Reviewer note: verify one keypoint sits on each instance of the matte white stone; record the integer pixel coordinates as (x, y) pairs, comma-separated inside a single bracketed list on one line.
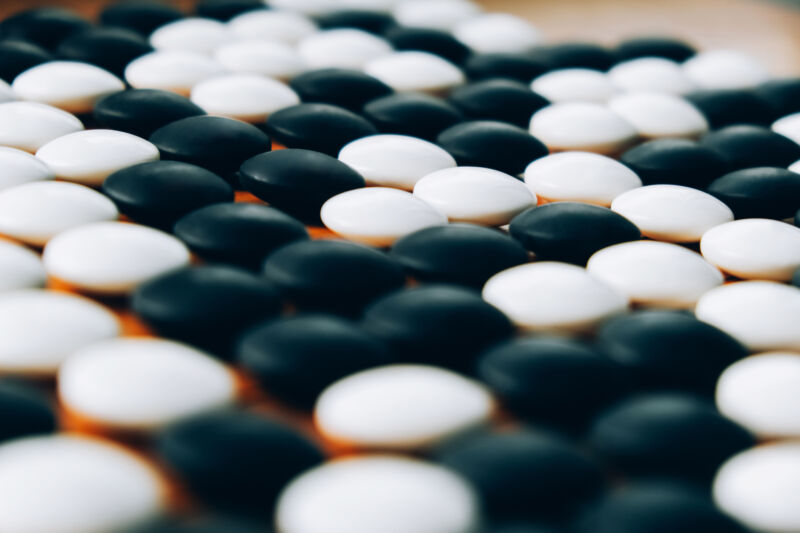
[(375, 493), (795, 167), (394, 160), (273, 25), (247, 97), (659, 115), (6, 93), (725, 69), (30, 125), (192, 34), (434, 14), (174, 71), (112, 257), (251, 56), (762, 315), (41, 328), (20, 268), (580, 177), (378, 215), (788, 126), (553, 297), (582, 126), (342, 48), (308, 7), (33, 213), (140, 383), (651, 74), (575, 85), (415, 71), (497, 32), (382, 6), (754, 248), (475, 194), (89, 156), (69, 85), (672, 212), (75, 484), (18, 168), (401, 407)]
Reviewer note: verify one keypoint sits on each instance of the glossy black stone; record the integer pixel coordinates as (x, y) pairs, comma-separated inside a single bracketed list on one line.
[(370, 21), (207, 306), (217, 144), (44, 26), (669, 350), (197, 524), (666, 47), (236, 461), (525, 473), (729, 107), (514, 66), (436, 42), (298, 181), (108, 48), (492, 144), (335, 276), (675, 161), (241, 234), (571, 231), (752, 146), (464, 254), (574, 55), (346, 88), (143, 111), (417, 325), (521, 527), (672, 435), (503, 100), (24, 411), (782, 94), (225, 10), (796, 276), (140, 16), (418, 115), (18, 56), (295, 358), (320, 127), (761, 192)]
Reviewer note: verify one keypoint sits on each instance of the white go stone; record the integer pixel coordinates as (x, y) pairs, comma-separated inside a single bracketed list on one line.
[(174, 71), (140, 383), (75, 484), (112, 257), (762, 315), (672, 212), (20, 268), (760, 487), (575, 85), (553, 297), (401, 407), (274, 59), (89, 156), (725, 69), (788, 126), (30, 125), (18, 168), (378, 215), (69, 85), (415, 71), (41, 328), (273, 25), (308, 7), (394, 160), (659, 115), (474, 194), (435, 14), (374, 493), (497, 32), (651, 74), (342, 48), (382, 6), (6, 93), (795, 167), (754, 248), (580, 177), (33, 213), (582, 126), (192, 34), (246, 97), (762, 394)]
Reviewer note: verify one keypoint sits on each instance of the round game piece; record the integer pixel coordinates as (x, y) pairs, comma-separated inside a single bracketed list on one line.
[(415, 71), (759, 314), (795, 167), (254, 56), (521, 527), (160, 192), (503, 100), (247, 97), (574, 55), (236, 461), (197, 524), (436, 14), (417, 115), (6, 94), (656, 435), (657, 115), (75, 157), (649, 73), (376, 22), (725, 69), (224, 10), (463, 254), (672, 213), (656, 274), (45, 26), (171, 70), (279, 25), (752, 146), (18, 56), (218, 144), (659, 47), (306, 7), (20, 268), (142, 111), (437, 42), (329, 275), (675, 161), (35, 212), (761, 192), (78, 472), (319, 127), (24, 410), (783, 94), (112, 257), (342, 48), (553, 297), (141, 17), (657, 348), (579, 177), (142, 384), (374, 493), (575, 85), (497, 32), (401, 407), (350, 89), (582, 126), (731, 107), (108, 48), (191, 34), (788, 126), (20, 168), (513, 66), (570, 231)]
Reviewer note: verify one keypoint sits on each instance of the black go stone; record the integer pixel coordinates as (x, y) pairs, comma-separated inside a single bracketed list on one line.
[(197, 524), (730, 107), (418, 115), (464, 254), (225, 10), (761, 192), (241, 234), (143, 111), (346, 88), (436, 42), (666, 47), (140, 16), (108, 48), (571, 231), (752, 146), (295, 358), (574, 55), (503, 100), (513, 66), (796, 276), (333, 276), (369, 21), (24, 411), (298, 181), (18, 56), (782, 94), (676, 162), (521, 527), (46, 26)]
